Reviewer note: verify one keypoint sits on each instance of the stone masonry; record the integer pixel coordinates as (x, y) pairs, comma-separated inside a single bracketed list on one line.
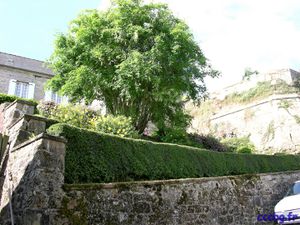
[(31, 175), (272, 124), (236, 200)]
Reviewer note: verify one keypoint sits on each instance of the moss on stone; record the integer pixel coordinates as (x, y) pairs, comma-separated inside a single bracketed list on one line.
[(74, 218)]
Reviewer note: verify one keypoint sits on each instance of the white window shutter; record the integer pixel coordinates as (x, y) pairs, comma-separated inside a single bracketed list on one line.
[(31, 90), (48, 95), (12, 87), (65, 99)]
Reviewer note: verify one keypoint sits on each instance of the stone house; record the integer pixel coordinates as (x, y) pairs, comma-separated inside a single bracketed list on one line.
[(25, 78)]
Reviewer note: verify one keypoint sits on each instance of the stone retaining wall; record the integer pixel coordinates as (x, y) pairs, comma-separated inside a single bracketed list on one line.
[(272, 124), (215, 201)]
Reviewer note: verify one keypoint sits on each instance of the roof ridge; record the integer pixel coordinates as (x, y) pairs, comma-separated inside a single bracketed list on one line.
[(5, 53)]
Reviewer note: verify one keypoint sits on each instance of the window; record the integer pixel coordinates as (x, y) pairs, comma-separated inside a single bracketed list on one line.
[(294, 190), (54, 97), (21, 89)]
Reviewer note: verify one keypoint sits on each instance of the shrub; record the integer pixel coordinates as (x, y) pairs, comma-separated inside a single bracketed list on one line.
[(208, 142), (76, 115), (174, 135), (11, 98), (46, 108), (239, 145), (181, 137), (81, 116), (98, 157), (118, 125)]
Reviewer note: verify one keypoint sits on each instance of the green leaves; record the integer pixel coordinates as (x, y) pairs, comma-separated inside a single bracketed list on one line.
[(96, 157), (139, 59)]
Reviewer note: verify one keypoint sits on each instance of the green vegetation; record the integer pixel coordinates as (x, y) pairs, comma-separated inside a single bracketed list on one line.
[(139, 59), (249, 73), (260, 91), (239, 145), (285, 104), (297, 118), (75, 115), (11, 98), (96, 157), (82, 117), (270, 132), (117, 125)]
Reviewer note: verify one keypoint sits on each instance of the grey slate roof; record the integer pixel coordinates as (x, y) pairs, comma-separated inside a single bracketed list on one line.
[(23, 63)]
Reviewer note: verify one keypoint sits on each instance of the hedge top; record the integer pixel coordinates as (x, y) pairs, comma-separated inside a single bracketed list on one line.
[(12, 98), (96, 158)]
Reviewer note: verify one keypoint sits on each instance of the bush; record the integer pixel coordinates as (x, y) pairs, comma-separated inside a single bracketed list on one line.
[(181, 137), (118, 125), (174, 135), (239, 145), (11, 98), (81, 116), (75, 115), (98, 157), (46, 108), (208, 142)]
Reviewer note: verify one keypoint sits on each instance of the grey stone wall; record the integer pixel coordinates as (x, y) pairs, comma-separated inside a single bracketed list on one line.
[(34, 182), (272, 124), (31, 171), (236, 200)]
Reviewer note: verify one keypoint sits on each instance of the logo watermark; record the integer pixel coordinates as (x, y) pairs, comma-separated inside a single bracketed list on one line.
[(281, 218)]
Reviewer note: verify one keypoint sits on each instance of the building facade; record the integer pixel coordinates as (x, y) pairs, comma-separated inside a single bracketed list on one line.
[(25, 78)]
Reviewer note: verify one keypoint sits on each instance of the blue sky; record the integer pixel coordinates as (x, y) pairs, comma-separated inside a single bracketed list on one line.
[(28, 27), (234, 34)]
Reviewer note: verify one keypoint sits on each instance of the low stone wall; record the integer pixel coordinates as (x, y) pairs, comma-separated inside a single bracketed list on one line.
[(216, 201)]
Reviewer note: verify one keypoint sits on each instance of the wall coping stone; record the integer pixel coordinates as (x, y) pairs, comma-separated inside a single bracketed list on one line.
[(98, 186), (261, 102), (35, 117), (20, 101), (38, 137)]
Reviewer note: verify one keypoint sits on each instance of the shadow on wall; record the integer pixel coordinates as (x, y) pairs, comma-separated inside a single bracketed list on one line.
[(37, 197)]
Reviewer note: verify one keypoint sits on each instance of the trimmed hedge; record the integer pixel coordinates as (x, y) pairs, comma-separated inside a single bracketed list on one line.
[(11, 98), (97, 157)]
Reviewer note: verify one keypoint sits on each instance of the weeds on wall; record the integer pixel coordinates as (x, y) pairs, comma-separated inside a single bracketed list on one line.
[(262, 90), (297, 118), (270, 133)]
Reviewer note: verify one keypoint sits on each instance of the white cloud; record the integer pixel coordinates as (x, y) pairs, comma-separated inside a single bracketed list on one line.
[(235, 34)]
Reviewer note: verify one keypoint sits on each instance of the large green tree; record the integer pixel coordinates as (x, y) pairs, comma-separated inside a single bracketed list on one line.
[(138, 58)]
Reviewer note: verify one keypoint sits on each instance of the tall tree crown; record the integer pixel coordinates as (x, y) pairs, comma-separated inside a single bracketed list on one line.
[(138, 58)]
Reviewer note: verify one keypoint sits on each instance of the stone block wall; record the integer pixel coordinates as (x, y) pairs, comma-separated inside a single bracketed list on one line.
[(31, 171), (33, 185), (236, 200)]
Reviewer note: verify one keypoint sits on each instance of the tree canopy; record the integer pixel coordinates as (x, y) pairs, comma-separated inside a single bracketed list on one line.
[(138, 58)]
